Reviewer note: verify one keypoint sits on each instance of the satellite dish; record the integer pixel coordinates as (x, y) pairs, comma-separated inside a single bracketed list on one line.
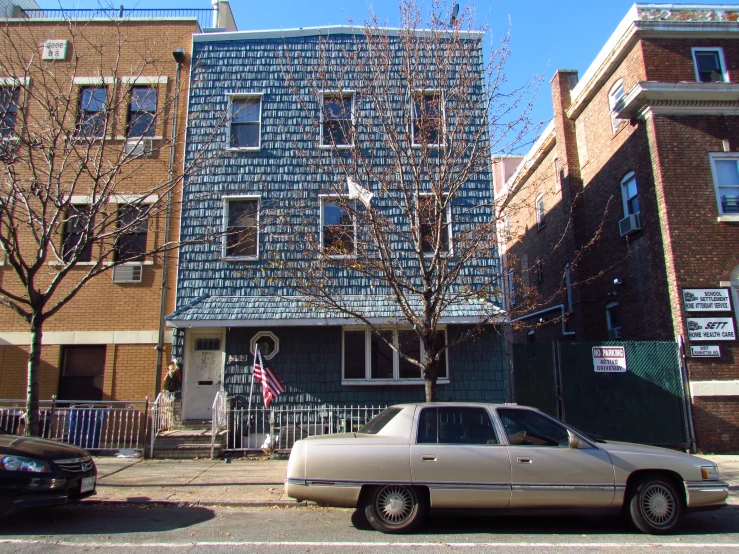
[(455, 13)]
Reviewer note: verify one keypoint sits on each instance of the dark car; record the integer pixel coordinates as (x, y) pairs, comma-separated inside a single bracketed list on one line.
[(40, 472)]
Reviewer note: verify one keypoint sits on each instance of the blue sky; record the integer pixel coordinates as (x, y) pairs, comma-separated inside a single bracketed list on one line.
[(545, 35)]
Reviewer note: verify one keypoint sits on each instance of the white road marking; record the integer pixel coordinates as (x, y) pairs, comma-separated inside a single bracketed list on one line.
[(460, 545)]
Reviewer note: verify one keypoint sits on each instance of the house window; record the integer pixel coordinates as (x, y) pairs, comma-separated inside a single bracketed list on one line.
[(92, 111), (630, 194), (241, 228), (734, 280), (506, 228), (142, 112), (557, 176), (81, 374), (369, 358), (132, 230), (435, 222), (246, 122), (709, 65), (268, 343), (428, 118), (8, 110), (613, 321), (726, 182), (337, 229), (76, 234), (539, 271), (337, 120), (614, 96), (202, 345), (540, 211)]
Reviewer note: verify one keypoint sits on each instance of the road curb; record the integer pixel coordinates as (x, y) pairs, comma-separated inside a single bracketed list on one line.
[(241, 504)]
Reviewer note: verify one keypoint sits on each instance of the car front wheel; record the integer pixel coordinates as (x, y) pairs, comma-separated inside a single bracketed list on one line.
[(395, 508), (655, 506)]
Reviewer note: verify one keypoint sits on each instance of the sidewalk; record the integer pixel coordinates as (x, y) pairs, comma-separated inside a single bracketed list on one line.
[(249, 482)]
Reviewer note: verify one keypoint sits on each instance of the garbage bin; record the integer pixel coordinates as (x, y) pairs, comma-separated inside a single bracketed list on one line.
[(86, 426)]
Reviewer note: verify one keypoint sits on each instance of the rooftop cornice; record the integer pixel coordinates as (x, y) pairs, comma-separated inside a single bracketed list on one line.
[(324, 31), (694, 98)]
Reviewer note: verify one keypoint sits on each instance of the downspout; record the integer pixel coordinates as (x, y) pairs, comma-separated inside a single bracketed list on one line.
[(179, 57), (561, 307)]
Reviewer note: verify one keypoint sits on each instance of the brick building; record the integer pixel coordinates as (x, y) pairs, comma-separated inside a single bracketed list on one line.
[(629, 197), (118, 70)]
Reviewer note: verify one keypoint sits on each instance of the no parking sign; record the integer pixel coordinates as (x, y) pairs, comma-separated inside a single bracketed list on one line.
[(609, 359)]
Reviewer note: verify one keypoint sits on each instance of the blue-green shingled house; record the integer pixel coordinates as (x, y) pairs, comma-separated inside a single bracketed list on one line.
[(251, 130)]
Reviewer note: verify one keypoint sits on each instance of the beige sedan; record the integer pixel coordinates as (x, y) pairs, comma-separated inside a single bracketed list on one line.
[(412, 457)]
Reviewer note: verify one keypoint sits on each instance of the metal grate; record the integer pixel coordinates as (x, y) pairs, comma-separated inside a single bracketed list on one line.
[(75, 465)]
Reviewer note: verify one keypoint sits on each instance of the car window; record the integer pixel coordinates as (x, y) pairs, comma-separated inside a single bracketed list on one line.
[(375, 425), (455, 426), (529, 428)]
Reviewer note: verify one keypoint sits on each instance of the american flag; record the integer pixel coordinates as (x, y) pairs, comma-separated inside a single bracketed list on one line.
[(271, 384)]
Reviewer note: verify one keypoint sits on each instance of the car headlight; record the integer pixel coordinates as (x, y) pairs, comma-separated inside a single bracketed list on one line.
[(709, 473), (18, 463)]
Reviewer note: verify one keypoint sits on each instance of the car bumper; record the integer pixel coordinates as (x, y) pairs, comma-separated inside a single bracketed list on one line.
[(706, 494), (324, 492), (35, 492)]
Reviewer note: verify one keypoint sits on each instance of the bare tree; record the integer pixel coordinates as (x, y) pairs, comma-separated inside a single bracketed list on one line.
[(408, 120), (87, 161)]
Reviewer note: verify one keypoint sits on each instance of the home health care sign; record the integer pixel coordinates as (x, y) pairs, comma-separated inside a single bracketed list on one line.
[(609, 359)]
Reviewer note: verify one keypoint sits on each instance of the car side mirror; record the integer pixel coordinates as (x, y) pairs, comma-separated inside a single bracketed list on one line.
[(575, 441)]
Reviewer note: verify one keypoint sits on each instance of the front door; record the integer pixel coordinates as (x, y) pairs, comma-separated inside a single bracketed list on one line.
[(458, 456), (203, 370), (546, 472)]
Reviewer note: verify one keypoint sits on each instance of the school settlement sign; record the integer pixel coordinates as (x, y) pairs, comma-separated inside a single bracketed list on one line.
[(609, 359)]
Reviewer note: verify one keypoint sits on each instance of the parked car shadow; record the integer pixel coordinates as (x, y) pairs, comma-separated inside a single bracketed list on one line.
[(439, 523), (106, 519)]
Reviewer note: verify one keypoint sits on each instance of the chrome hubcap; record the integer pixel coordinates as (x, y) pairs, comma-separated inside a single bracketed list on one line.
[(395, 504), (658, 504)]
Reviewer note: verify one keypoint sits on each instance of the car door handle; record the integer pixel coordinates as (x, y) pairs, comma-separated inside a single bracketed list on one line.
[(523, 460), (428, 458)]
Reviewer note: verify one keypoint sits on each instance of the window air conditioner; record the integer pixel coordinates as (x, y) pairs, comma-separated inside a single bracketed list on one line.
[(630, 224), (128, 273), (139, 146), (615, 333)]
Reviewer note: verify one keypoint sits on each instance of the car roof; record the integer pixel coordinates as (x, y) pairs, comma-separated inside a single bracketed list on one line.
[(475, 404)]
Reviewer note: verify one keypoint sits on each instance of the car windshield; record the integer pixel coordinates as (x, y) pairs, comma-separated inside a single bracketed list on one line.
[(376, 424)]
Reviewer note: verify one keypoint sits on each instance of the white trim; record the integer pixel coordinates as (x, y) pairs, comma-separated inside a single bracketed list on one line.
[(239, 96), (145, 262), (15, 81), (624, 191), (387, 382), (721, 60), (259, 335), (336, 94), (140, 80), (734, 218), (224, 238), (94, 81), (540, 223), (613, 99), (86, 337), (78, 199), (322, 198), (327, 31), (311, 322), (713, 96), (714, 388), (136, 139)]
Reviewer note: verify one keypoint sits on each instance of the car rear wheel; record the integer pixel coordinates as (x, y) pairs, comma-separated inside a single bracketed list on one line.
[(395, 508), (655, 506)]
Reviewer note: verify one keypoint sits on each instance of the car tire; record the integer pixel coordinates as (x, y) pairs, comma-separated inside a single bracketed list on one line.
[(655, 506), (395, 508)]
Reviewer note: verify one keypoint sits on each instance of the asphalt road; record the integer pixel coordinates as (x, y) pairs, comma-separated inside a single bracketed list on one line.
[(167, 528)]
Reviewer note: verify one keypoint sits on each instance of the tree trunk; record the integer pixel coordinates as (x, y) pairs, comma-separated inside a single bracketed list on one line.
[(34, 361), (429, 378)]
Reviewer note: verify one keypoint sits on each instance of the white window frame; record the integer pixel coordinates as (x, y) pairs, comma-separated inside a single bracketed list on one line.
[(722, 61), (224, 238), (540, 212), (506, 228), (327, 198), (21, 83), (609, 323), (613, 99), (713, 156), (396, 380), (557, 180), (160, 82), (336, 94), (261, 334), (511, 289), (448, 213), (625, 192), (109, 84), (442, 130), (244, 96)]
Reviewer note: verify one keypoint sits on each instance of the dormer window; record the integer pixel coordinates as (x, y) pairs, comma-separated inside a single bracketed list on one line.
[(709, 65)]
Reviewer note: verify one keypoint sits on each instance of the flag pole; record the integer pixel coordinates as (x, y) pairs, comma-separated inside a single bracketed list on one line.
[(251, 387)]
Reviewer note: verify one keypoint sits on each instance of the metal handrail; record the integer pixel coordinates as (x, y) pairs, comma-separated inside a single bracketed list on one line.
[(218, 419), (162, 415), (202, 15)]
